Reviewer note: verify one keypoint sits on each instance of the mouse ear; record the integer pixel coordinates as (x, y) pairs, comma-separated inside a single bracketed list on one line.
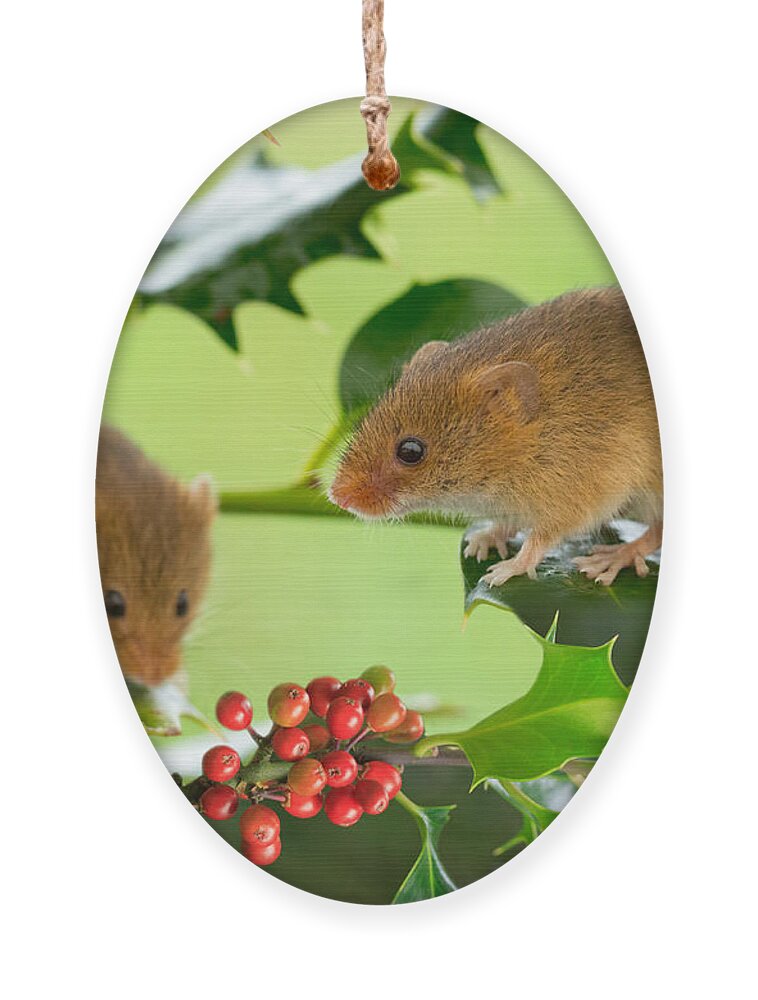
[(424, 353), (513, 376), (202, 490)]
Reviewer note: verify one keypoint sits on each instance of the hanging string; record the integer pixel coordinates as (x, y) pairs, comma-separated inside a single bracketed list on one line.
[(379, 167)]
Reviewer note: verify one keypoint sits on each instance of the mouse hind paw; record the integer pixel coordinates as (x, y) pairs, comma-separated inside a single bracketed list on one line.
[(605, 562), (604, 567)]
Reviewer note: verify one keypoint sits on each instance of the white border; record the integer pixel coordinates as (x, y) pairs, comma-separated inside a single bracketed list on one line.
[(114, 114)]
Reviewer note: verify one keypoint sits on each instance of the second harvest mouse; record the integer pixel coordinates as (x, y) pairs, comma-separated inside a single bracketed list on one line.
[(543, 423), (154, 548)]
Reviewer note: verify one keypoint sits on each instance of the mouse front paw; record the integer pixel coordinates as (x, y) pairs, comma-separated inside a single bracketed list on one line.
[(525, 561), (480, 542), (500, 572)]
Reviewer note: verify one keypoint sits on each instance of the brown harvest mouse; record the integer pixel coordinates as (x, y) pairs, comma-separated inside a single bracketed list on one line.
[(543, 423), (154, 548)]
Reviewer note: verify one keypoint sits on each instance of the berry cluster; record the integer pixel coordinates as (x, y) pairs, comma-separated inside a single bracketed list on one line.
[(321, 731)]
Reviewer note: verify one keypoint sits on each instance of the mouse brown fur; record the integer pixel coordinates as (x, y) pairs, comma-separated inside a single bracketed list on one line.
[(543, 423), (154, 549)]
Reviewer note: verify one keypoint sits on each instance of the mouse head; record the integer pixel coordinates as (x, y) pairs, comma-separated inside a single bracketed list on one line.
[(154, 547), (435, 439)]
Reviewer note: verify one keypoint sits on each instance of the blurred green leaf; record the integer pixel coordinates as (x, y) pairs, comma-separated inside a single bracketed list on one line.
[(441, 311), (244, 237), (427, 878), (577, 771), (590, 614), (569, 712), (456, 133), (538, 802), (535, 817), (553, 792)]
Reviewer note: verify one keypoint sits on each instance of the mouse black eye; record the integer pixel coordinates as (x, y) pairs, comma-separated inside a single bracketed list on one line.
[(410, 451), (182, 604), (115, 605)]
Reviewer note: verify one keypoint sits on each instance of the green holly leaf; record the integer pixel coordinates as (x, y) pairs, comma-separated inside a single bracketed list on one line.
[(569, 712), (249, 229), (427, 878), (590, 614), (285, 218), (162, 708), (440, 311)]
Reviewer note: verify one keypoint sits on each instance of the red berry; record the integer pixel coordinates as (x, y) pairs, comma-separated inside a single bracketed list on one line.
[(360, 689), (290, 744), (259, 825), (341, 768), (342, 807), (221, 763), (386, 713), (409, 730), (318, 736), (302, 806), (219, 802), (372, 796), (321, 691), (262, 854), (307, 777), (288, 705), (344, 718), (387, 776), (234, 711), (381, 679)]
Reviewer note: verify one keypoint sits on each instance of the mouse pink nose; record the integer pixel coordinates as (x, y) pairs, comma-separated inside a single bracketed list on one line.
[(366, 494)]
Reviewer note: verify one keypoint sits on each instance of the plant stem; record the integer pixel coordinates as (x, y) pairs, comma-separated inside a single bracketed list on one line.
[(297, 499), (407, 758), (358, 739), (301, 498), (402, 799), (262, 769), (520, 838)]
